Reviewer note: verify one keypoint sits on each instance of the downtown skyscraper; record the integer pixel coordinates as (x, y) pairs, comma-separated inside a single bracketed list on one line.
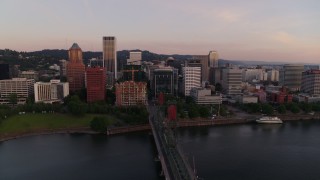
[(110, 56), (75, 68)]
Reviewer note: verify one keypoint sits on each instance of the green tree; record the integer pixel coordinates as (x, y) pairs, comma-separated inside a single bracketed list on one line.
[(204, 112), (306, 107), (98, 124), (189, 100), (193, 111), (282, 109), (76, 107), (111, 96), (13, 98), (267, 109), (252, 107), (293, 107), (223, 110)]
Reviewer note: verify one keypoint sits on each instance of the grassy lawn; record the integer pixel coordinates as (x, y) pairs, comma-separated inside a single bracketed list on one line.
[(32, 122)]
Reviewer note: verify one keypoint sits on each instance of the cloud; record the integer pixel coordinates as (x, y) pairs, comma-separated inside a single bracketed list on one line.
[(208, 12), (229, 16), (284, 37)]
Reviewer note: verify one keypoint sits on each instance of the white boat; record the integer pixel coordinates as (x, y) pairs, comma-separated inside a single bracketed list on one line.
[(269, 120)]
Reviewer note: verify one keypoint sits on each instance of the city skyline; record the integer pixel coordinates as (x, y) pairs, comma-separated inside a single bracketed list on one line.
[(246, 30)]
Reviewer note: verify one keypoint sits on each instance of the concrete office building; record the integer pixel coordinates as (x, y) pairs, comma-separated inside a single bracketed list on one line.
[(231, 81), (311, 82), (22, 87), (51, 92), (273, 75), (29, 75), (246, 99), (75, 68), (63, 67), (135, 58), (290, 76), (203, 96), (110, 56), (204, 61), (191, 77), (248, 75)]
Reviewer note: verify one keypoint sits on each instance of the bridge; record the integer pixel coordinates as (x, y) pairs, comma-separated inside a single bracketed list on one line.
[(174, 164)]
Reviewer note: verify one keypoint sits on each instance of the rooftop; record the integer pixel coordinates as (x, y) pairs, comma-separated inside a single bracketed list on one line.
[(75, 46)]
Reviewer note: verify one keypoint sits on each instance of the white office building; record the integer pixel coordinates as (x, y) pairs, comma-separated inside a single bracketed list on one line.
[(135, 58), (203, 96), (21, 87), (50, 92), (191, 78)]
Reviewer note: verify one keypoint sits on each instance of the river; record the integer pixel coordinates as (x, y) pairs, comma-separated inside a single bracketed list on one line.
[(248, 152)]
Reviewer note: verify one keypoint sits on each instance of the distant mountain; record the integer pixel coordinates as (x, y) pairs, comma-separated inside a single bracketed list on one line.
[(122, 56), (222, 62)]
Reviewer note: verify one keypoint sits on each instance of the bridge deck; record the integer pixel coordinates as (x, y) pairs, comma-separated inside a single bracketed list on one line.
[(174, 164)]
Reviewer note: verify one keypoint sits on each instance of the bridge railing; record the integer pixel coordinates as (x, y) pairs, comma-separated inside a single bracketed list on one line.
[(178, 164)]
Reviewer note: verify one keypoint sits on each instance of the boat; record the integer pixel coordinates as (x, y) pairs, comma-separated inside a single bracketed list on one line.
[(269, 120)]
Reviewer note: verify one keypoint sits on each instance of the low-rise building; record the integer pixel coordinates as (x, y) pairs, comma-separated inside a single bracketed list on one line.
[(246, 99), (279, 96), (29, 75), (203, 96), (50, 92), (306, 98)]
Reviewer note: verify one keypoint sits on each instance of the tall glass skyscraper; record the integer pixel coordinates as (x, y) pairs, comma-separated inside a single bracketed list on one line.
[(110, 55), (213, 59)]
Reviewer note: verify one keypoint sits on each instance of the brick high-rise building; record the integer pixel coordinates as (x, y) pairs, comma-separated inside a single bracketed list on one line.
[(75, 68), (130, 93), (96, 84)]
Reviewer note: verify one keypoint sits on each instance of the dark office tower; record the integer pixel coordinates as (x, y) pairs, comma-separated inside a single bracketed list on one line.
[(75, 68), (110, 55), (204, 59), (4, 71), (96, 84)]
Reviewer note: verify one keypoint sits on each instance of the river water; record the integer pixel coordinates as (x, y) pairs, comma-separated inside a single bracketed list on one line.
[(248, 152)]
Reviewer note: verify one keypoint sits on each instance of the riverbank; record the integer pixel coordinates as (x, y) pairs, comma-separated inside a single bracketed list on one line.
[(36, 130), (38, 124), (86, 130)]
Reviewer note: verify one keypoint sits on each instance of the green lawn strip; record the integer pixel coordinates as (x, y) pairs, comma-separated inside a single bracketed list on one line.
[(33, 122)]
